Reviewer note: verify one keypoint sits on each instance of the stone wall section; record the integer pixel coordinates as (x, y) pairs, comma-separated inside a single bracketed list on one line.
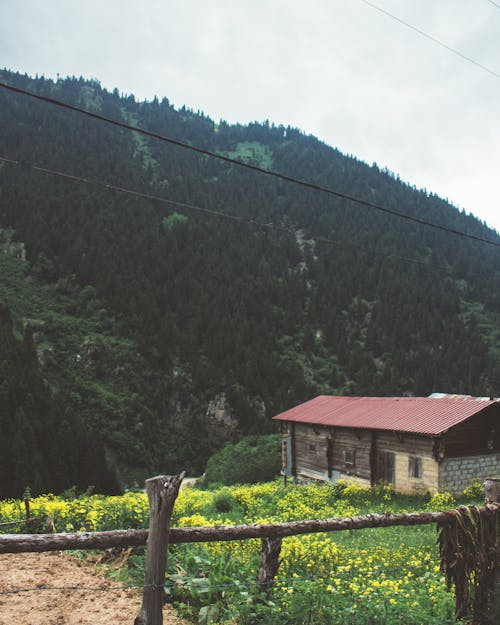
[(455, 474)]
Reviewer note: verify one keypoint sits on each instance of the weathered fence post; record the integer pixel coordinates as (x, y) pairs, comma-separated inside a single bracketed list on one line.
[(162, 493), (26, 498), (269, 563), (492, 495)]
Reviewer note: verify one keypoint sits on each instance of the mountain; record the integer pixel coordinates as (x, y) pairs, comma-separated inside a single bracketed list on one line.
[(150, 320)]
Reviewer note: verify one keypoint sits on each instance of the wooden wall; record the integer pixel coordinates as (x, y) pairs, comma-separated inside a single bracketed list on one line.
[(401, 442), (478, 435), (311, 457), (311, 446)]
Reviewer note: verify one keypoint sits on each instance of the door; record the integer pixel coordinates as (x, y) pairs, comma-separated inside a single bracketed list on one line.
[(385, 467), (329, 457), (286, 456)]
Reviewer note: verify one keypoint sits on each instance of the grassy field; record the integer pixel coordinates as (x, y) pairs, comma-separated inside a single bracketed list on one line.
[(364, 577)]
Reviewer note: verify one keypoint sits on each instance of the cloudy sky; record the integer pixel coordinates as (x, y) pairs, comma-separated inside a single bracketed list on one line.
[(339, 69)]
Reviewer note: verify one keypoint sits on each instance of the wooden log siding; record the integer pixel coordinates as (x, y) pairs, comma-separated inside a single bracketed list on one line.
[(471, 437), (357, 440), (311, 451), (406, 443), (23, 543), (311, 444)]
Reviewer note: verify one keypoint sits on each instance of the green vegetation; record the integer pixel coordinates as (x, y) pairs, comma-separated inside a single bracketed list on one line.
[(173, 220), (488, 324), (364, 577), (254, 153), (42, 444), (95, 371), (142, 315), (253, 459)]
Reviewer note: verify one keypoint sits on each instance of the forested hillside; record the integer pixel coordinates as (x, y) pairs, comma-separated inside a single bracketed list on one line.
[(149, 319), (42, 445)]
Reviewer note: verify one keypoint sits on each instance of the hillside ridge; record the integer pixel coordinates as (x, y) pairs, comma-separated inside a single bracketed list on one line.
[(150, 313)]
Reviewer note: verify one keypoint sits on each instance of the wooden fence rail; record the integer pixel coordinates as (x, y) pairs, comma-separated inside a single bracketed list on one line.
[(20, 543), (21, 521)]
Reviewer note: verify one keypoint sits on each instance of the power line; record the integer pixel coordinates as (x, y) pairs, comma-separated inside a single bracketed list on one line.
[(434, 39), (494, 4), (147, 196), (210, 212), (256, 168)]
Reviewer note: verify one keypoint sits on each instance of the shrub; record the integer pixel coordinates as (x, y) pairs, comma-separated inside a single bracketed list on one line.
[(224, 500), (440, 501), (253, 459), (383, 490), (475, 490), (338, 488), (356, 493)]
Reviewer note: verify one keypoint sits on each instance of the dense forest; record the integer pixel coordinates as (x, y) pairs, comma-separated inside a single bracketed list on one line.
[(41, 445), (149, 321)]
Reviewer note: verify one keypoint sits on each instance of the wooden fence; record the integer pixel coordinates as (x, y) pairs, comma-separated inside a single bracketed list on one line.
[(162, 492)]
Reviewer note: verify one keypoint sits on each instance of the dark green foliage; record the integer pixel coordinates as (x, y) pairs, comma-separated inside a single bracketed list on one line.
[(224, 501), (41, 446), (253, 459), (142, 314)]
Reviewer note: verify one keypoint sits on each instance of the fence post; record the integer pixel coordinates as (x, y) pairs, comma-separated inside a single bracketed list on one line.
[(26, 498), (269, 563), (162, 493), (492, 495)]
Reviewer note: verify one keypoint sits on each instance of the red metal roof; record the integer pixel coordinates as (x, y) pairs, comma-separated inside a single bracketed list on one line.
[(420, 415)]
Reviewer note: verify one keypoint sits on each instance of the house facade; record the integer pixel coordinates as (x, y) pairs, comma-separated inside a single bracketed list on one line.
[(417, 444)]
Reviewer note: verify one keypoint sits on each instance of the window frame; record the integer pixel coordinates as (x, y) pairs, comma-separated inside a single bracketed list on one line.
[(350, 457), (415, 467)]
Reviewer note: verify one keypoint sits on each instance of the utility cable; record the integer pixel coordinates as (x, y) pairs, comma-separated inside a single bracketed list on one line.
[(210, 212), (256, 168), (494, 4), (434, 39)]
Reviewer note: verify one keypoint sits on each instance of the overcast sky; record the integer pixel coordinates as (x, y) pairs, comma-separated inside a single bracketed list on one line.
[(338, 69)]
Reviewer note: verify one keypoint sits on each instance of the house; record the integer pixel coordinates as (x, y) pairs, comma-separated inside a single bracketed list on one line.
[(417, 444)]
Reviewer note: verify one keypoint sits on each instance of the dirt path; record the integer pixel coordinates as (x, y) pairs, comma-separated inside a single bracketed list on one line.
[(106, 606)]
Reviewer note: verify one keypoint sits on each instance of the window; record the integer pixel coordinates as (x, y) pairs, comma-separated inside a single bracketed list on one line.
[(415, 466), (350, 457)]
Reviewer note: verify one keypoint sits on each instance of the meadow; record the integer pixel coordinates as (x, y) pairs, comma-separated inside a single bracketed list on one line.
[(363, 577)]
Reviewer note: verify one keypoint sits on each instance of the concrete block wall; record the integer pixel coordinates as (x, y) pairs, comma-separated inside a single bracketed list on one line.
[(455, 474)]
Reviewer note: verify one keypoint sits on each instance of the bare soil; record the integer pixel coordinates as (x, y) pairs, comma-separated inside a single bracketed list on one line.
[(31, 572)]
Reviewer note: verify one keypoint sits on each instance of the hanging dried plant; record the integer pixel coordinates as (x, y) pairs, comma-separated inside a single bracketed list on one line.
[(467, 548)]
